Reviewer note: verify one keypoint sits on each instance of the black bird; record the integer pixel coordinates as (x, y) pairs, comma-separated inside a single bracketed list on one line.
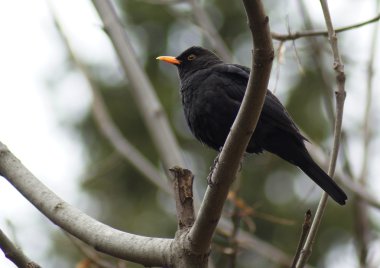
[(212, 92)]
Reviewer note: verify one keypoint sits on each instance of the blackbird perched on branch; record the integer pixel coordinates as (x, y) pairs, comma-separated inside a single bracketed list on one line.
[(212, 92)]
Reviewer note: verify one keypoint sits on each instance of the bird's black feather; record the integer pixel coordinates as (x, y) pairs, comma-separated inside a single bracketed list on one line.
[(212, 92)]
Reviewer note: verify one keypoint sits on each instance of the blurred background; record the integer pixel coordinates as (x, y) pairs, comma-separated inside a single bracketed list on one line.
[(46, 120)]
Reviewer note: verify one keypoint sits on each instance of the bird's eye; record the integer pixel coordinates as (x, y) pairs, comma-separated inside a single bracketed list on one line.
[(191, 57)]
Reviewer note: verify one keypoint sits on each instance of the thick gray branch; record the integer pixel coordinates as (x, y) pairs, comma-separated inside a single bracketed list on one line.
[(140, 249)]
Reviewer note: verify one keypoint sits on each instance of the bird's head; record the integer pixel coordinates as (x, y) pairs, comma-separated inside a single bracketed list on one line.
[(192, 60)]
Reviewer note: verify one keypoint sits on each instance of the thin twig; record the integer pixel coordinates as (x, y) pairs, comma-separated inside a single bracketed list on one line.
[(89, 252), (15, 254), (241, 130), (236, 214), (346, 179), (296, 35), (305, 230), (163, 2), (340, 95), (317, 57)]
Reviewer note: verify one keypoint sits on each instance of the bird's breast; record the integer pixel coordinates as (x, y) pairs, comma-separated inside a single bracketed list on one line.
[(209, 114)]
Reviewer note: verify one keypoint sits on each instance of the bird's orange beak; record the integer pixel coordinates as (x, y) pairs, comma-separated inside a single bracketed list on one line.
[(169, 59)]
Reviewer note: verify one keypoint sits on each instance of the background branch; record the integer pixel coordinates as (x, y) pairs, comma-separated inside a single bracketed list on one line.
[(211, 33), (142, 89), (15, 254), (317, 57), (89, 252), (340, 95), (362, 224), (104, 120)]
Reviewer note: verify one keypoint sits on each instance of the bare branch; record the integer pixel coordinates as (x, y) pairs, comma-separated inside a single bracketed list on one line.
[(362, 225), (340, 95), (15, 254), (122, 146), (347, 180), (305, 230), (183, 193), (296, 35), (104, 121), (144, 250), (241, 131), (142, 89), (250, 242), (317, 56), (211, 32), (164, 2), (89, 252)]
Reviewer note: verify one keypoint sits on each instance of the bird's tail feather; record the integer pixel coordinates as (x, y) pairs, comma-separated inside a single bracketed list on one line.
[(323, 180)]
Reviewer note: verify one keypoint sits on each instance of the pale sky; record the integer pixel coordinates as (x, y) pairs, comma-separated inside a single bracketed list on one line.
[(31, 111)]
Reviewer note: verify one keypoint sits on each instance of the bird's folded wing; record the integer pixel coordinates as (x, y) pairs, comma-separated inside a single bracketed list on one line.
[(273, 111)]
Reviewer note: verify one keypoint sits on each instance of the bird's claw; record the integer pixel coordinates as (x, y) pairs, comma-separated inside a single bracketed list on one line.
[(212, 168)]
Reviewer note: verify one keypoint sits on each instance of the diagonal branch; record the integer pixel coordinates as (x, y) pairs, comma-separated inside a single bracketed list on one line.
[(347, 180), (305, 230), (145, 250), (340, 95), (241, 131), (122, 145), (211, 32), (104, 120), (14, 254), (144, 94), (89, 253), (362, 224)]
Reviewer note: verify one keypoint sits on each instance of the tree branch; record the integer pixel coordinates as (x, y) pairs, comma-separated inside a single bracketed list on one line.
[(142, 89), (145, 250), (347, 180), (104, 120), (296, 35), (124, 148), (361, 223), (340, 95), (89, 252), (241, 131), (211, 33), (14, 254), (317, 51), (183, 192), (250, 242), (305, 230)]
